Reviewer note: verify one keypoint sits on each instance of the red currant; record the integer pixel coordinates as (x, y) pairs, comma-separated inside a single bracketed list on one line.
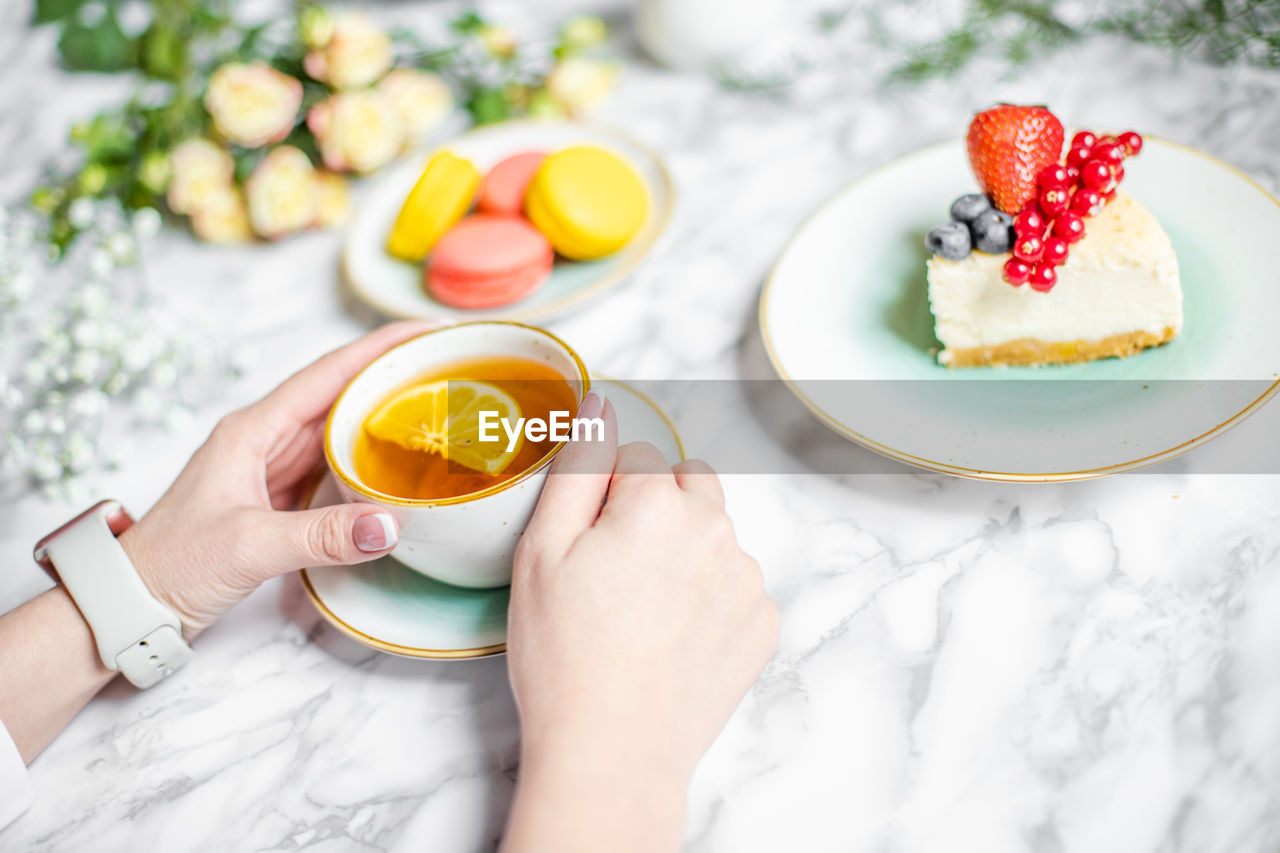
[(1055, 252), (1052, 175), (1073, 176), (1131, 142), (1043, 278), (1029, 221), (1086, 202), (1069, 226), (1078, 155), (1054, 200), (1117, 173), (1108, 152), (1109, 195), (1016, 272), (1095, 174), (1084, 139), (1028, 247)]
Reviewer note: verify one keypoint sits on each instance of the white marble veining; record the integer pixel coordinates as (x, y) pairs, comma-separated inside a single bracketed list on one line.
[(1082, 668)]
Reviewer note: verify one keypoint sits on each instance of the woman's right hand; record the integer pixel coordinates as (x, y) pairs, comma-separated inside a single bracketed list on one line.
[(635, 629)]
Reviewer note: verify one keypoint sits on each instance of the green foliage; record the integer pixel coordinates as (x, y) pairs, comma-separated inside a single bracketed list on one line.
[(97, 46)]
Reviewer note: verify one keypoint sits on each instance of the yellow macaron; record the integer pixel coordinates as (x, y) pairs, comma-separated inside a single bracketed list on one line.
[(439, 199), (587, 202)]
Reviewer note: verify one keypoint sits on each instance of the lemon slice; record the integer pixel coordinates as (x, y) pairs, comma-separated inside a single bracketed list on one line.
[(444, 417)]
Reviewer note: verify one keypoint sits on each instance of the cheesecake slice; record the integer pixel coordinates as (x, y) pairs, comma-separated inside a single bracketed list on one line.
[(1118, 293)]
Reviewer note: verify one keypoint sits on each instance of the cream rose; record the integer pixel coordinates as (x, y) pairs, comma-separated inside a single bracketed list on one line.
[(356, 54), (223, 218), (357, 131), (199, 170), (421, 101), (252, 104), (335, 201), (282, 193), (580, 84)]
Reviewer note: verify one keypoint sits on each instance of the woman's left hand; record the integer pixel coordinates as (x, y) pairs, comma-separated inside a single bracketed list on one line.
[(230, 520)]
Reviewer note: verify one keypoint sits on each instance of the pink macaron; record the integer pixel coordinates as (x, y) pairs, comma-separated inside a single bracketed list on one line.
[(486, 261), (502, 191)]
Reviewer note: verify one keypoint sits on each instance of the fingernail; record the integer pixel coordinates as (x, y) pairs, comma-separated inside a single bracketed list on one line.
[(375, 532), (592, 406)]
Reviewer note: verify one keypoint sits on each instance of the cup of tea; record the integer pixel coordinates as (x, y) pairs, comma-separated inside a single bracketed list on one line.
[(452, 433)]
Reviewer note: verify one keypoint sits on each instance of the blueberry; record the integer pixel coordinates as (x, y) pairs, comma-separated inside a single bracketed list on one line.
[(993, 232), (969, 207), (951, 241)]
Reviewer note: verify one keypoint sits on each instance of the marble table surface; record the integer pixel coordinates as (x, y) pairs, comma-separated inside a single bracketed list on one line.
[(1086, 667)]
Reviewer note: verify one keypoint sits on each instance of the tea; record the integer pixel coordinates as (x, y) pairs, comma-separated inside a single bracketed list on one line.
[(423, 440)]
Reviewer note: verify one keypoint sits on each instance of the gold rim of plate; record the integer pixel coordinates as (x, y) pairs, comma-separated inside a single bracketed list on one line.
[(442, 654), (660, 219), (973, 473)]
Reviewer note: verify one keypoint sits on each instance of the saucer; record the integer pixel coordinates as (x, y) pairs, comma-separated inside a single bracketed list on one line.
[(394, 287), (388, 606)]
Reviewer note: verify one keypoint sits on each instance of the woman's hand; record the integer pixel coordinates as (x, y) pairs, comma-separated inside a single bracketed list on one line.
[(227, 523), (222, 528), (635, 630)]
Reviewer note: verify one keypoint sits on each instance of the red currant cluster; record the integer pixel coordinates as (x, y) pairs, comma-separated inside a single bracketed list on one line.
[(1049, 224)]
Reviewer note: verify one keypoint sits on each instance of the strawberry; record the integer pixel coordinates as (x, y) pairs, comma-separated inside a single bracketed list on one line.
[(1008, 146)]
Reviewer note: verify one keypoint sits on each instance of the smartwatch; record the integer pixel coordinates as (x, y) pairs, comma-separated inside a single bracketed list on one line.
[(135, 633)]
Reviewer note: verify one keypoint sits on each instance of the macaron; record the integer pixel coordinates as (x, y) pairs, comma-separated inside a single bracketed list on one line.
[(502, 191), (442, 196), (486, 261), (587, 201)]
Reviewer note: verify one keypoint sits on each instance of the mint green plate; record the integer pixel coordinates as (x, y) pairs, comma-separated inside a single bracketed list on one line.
[(845, 319), (394, 287), (387, 606)]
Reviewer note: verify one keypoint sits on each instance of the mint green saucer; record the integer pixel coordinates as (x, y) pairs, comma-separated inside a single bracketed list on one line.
[(845, 319), (388, 606), (394, 287)]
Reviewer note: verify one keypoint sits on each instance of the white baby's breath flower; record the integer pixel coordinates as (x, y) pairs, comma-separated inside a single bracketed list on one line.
[(252, 104), (135, 355), (80, 213), (356, 54), (163, 374), (115, 383), (47, 470), (357, 131), (55, 424), (147, 222), (282, 193), (86, 366), (33, 422), (421, 100), (101, 263), (21, 284), (93, 299), (87, 333), (121, 246), (35, 372), (78, 453), (88, 403)]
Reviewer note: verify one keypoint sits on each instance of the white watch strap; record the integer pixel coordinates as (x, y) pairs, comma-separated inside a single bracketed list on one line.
[(136, 634)]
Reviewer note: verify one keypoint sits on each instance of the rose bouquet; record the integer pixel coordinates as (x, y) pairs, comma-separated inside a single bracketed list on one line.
[(252, 131)]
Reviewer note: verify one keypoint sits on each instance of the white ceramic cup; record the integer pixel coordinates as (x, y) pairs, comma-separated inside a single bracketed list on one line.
[(469, 540)]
